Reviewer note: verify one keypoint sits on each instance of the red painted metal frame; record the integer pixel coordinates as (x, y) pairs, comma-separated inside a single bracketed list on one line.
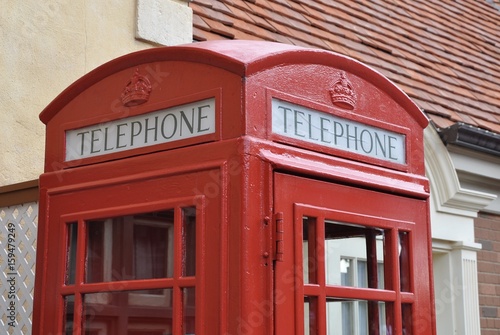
[(322, 200), (232, 170), (122, 199)]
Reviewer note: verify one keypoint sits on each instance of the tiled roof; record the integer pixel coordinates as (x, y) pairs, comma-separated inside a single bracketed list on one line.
[(444, 54)]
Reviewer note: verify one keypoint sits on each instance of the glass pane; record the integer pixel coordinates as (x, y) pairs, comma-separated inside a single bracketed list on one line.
[(128, 312), (404, 260), (347, 272), (189, 235), (407, 319), (309, 254), (362, 274), (69, 311), (130, 247), (344, 243), (356, 317), (310, 315), (71, 252), (189, 312), (341, 318)]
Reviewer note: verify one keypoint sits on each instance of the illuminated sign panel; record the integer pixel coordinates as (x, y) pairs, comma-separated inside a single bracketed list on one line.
[(327, 130), (161, 126)]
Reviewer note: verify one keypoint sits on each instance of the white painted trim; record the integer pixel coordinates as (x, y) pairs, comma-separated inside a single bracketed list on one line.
[(453, 209), (456, 287), (446, 192)]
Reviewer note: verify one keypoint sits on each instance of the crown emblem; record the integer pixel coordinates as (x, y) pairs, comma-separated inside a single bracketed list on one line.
[(342, 93), (137, 90)]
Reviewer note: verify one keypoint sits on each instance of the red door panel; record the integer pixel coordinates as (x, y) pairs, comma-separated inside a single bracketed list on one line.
[(355, 261), (133, 259)]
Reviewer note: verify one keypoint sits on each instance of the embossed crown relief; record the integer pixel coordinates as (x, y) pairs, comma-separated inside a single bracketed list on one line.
[(137, 90), (342, 93)]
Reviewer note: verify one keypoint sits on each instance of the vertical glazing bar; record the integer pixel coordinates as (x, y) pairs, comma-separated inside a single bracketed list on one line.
[(391, 279), (371, 258), (319, 240), (372, 266), (79, 277), (177, 317)]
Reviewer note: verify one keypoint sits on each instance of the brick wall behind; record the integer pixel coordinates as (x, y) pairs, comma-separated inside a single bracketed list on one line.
[(487, 230)]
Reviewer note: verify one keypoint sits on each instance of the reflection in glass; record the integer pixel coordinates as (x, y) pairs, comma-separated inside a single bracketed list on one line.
[(310, 315), (404, 260), (128, 312), (407, 319), (363, 274), (353, 316), (346, 243), (130, 247), (310, 254), (189, 240), (353, 256), (189, 315), (71, 252), (69, 311), (346, 271)]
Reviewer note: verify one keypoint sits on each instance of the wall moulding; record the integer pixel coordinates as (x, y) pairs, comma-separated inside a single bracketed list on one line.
[(449, 196)]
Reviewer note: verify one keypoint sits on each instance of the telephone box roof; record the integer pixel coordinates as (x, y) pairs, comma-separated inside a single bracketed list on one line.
[(243, 58)]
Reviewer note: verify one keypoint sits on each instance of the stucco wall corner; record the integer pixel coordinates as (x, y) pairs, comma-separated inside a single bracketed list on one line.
[(164, 22)]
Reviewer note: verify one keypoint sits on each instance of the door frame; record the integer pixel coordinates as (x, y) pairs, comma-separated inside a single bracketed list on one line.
[(370, 208)]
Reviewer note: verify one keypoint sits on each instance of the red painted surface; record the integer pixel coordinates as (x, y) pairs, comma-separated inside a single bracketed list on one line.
[(238, 178)]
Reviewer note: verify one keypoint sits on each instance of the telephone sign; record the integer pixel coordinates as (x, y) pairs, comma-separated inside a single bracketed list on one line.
[(176, 123), (328, 130)]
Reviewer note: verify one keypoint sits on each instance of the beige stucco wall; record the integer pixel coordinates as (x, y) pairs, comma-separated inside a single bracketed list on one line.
[(45, 46)]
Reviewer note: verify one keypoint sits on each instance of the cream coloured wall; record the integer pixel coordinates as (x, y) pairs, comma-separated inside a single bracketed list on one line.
[(48, 44)]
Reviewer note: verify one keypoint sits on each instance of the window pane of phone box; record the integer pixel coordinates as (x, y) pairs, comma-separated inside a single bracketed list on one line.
[(130, 247), (128, 312)]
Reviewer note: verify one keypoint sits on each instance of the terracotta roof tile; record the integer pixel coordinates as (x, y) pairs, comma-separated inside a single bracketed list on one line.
[(199, 23), (443, 54), (214, 14), (260, 10), (202, 35), (206, 3), (239, 13), (253, 30), (336, 47), (466, 119), (441, 122), (219, 28), (294, 12), (495, 127)]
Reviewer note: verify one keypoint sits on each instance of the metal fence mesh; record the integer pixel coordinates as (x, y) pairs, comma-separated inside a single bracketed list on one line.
[(18, 230)]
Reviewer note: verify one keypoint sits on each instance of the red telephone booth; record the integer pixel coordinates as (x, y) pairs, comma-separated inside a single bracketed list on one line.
[(233, 187)]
